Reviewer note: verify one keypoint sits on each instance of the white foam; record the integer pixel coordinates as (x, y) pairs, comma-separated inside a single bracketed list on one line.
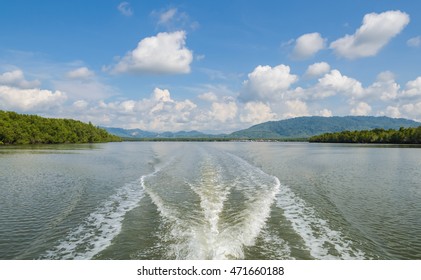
[(209, 235), (315, 231), (96, 232)]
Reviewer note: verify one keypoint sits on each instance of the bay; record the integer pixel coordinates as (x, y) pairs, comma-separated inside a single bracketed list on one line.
[(230, 200)]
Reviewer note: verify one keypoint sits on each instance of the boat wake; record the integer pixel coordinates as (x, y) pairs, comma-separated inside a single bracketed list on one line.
[(321, 241), (211, 205), (225, 206)]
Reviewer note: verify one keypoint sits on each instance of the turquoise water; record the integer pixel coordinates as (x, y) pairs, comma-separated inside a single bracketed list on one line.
[(210, 201)]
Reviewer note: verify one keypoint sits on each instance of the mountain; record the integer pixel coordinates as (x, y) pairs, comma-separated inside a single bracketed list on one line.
[(303, 127), (138, 133), (129, 133)]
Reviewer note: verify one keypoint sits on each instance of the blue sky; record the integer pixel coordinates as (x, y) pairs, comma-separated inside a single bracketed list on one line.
[(214, 66)]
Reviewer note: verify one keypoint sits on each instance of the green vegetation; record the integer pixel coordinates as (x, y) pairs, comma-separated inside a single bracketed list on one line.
[(30, 129), (304, 127), (410, 135)]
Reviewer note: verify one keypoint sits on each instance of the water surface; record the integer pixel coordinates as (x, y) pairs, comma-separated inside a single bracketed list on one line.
[(210, 201)]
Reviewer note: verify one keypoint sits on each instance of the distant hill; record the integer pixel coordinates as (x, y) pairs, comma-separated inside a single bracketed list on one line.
[(138, 133), (303, 127), (129, 133), (31, 129)]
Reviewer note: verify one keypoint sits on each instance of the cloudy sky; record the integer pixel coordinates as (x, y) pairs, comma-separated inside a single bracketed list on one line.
[(214, 66)]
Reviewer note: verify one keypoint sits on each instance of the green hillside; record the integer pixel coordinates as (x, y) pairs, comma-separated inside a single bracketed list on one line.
[(31, 129), (304, 127)]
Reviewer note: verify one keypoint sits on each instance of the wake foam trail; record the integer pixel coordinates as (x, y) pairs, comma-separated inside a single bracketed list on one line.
[(318, 237), (97, 231), (258, 189), (227, 208)]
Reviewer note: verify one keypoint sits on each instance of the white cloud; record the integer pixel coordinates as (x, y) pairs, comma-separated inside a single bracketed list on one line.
[(412, 110), (296, 108), (414, 42), (164, 53), (125, 9), (162, 95), (267, 83), (413, 88), (224, 111), (257, 112), (317, 69), (384, 87), (393, 112), (209, 96), (334, 82), (325, 113), (307, 45), (12, 98), (82, 73), (376, 31), (159, 112), (362, 109), (16, 78)]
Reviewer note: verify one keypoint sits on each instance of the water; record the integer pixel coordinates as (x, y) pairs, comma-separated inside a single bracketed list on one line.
[(210, 201)]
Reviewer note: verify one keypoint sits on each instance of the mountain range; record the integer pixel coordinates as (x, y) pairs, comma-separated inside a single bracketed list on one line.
[(300, 127), (139, 133)]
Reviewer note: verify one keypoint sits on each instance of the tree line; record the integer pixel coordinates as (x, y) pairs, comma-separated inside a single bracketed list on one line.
[(31, 129), (411, 135)]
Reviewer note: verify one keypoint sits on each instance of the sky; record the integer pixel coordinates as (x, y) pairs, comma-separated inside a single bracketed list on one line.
[(214, 66)]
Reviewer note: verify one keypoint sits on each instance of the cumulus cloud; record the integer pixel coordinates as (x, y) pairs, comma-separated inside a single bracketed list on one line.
[(393, 112), (125, 9), (325, 113), (375, 32), (334, 82), (159, 112), (362, 109), (165, 53), (17, 78), (307, 45), (385, 87), (12, 98), (257, 112), (82, 73), (296, 108), (412, 110), (317, 69), (267, 83), (224, 111), (414, 42), (162, 95), (413, 89)]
